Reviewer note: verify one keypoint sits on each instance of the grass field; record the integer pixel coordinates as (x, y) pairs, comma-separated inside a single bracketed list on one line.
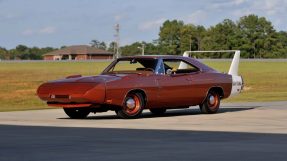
[(264, 81)]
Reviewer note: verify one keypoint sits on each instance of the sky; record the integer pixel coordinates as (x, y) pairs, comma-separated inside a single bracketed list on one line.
[(56, 23)]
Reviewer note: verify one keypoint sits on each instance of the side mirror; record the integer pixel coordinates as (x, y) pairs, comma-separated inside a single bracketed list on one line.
[(168, 71)]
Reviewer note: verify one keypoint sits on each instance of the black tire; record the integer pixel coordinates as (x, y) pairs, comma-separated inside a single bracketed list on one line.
[(211, 103), (127, 112), (157, 111), (77, 113)]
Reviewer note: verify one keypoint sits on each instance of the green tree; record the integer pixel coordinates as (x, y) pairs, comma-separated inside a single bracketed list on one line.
[(20, 52), (98, 44), (151, 49), (221, 37), (4, 54), (102, 46), (25, 53), (191, 37), (169, 37), (280, 47), (112, 47), (133, 49), (188, 38), (257, 34)]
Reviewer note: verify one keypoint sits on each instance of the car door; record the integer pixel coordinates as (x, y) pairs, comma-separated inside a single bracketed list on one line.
[(174, 88)]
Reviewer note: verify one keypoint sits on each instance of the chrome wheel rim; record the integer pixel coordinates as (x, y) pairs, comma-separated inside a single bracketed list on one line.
[(211, 100), (132, 105)]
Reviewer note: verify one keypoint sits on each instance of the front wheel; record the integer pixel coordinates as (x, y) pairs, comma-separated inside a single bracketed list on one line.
[(211, 103), (77, 113), (132, 107)]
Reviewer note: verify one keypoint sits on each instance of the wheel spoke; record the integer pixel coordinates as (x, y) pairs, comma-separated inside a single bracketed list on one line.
[(132, 107), (211, 103)]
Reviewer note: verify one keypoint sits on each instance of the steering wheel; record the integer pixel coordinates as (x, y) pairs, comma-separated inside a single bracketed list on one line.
[(149, 69)]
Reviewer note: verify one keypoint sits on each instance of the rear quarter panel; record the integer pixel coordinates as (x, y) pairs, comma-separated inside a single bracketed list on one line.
[(205, 81)]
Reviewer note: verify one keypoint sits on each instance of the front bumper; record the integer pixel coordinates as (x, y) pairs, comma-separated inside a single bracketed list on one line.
[(69, 105)]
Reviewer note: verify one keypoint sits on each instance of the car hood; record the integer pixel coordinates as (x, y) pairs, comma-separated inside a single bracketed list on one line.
[(89, 79), (75, 85)]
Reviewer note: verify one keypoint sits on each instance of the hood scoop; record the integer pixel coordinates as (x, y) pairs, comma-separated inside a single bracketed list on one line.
[(73, 76)]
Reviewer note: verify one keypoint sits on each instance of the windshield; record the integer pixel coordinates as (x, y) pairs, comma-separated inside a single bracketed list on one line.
[(133, 66)]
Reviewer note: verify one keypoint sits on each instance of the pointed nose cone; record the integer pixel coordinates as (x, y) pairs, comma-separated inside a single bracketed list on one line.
[(75, 89)]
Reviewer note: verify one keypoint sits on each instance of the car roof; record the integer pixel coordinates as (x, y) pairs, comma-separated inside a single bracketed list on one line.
[(188, 59), (154, 57)]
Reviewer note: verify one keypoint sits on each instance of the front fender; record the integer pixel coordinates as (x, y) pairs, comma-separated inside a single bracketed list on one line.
[(97, 94)]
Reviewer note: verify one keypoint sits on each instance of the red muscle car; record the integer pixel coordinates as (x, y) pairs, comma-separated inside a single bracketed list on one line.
[(131, 84)]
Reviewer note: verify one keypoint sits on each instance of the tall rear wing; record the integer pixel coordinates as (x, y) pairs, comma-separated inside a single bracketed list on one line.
[(233, 70)]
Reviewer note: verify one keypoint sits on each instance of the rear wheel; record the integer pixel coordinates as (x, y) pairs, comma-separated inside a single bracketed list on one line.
[(211, 103), (157, 111), (77, 113), (133, 106)]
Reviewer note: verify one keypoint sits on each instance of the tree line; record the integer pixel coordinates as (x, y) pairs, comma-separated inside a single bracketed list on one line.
[(22, 52), (255, 36)]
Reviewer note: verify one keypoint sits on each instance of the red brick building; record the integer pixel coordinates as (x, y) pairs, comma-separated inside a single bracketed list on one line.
[(78, 52)]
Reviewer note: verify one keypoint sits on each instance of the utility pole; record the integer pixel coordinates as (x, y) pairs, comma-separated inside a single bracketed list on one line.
[(117, 40), (190, 42), (142, 48)]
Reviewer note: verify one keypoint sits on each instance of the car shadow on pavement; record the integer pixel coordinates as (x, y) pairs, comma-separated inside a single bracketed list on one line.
[(193, 111), (39, 143), (172, 113)]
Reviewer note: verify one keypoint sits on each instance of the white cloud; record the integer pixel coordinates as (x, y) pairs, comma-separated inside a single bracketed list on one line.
[(28, 32), (226, 4), (151, 24), (241, 12), (238, 2), (277, 22), (42, 31), (263, 7), (119, 17), (270, 7), (47, 30), (196, 17)]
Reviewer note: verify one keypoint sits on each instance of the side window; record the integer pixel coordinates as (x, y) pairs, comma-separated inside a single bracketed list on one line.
[(179, 66)]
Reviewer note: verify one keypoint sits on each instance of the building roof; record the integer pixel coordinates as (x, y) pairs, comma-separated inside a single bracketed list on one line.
[(79, 50)]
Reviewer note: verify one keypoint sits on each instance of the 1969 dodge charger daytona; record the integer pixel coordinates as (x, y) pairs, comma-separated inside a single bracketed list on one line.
[(131, 84)]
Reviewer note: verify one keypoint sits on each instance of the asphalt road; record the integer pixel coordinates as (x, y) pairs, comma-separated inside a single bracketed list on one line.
[(241, 131), (240, 117), (24, 143)]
